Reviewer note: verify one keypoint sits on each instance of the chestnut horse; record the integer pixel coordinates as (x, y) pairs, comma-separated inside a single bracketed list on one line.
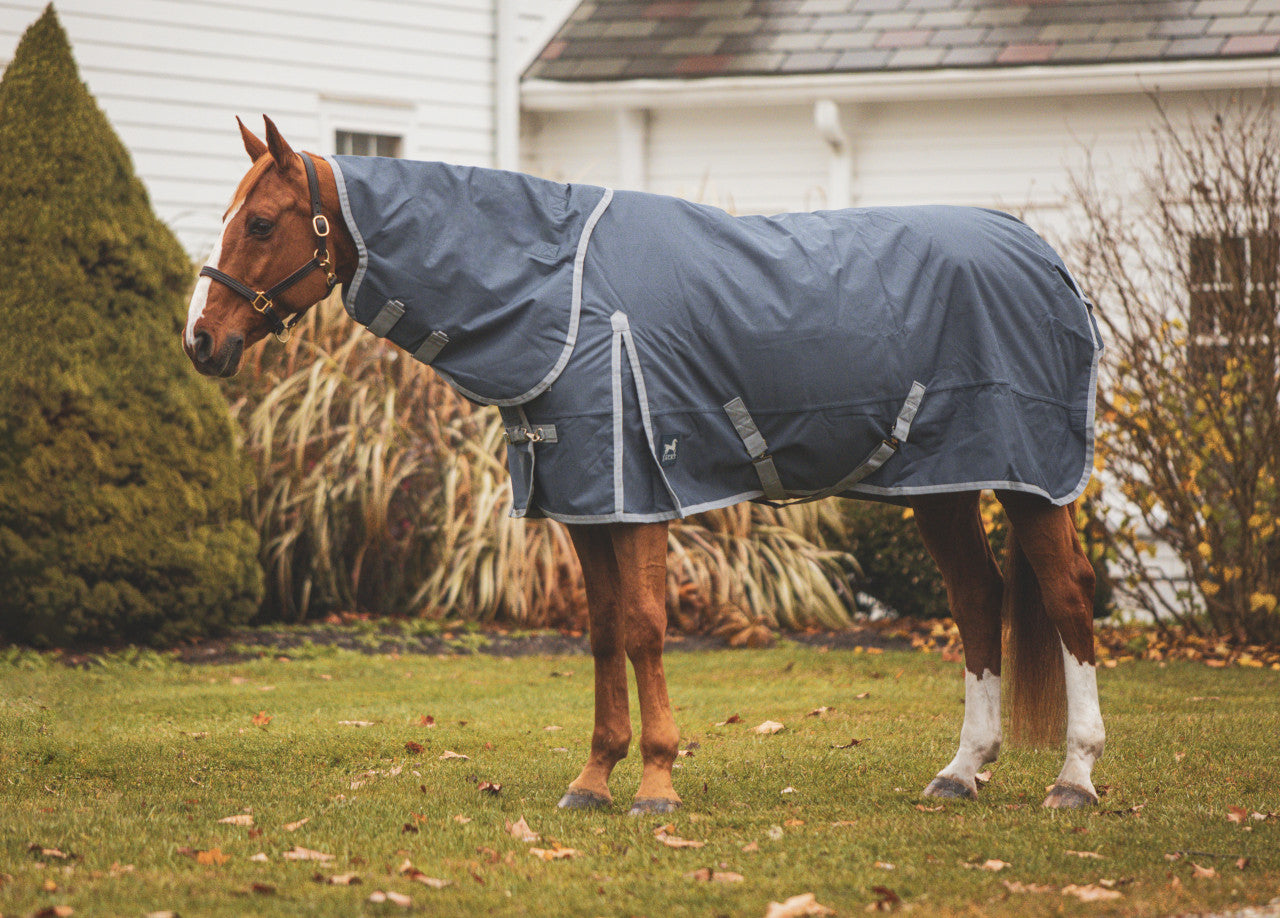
[(284, 246)]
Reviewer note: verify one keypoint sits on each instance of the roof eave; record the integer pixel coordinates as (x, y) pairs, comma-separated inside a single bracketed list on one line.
[(880, 86)]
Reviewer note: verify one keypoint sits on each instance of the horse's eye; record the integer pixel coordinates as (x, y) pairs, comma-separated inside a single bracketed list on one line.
[(259, 226)]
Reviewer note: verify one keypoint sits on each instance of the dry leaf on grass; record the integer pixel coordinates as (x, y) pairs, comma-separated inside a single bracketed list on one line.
[(163, 913), (884, 865), (355, 723), (461, 820), (260, 858), (1237, 814), (377, 897), (731, 719), (848, 745), (450, 754), (489, 787), (520, 829), (888, 901), (767, 728), (295, 826), (42, 851), (261, 719), (928, 809), (554, 854), (1015, 886), (55, 911), (414, 748), (240, 819), (1086, 854), (1090, 893), (1203, 873), (707, 875), (982, 778), (818, 712), (796, 907), (340, 879), (1242, 863), (413, 873), (212, 858), (991, 863), (862, 695), (306, 854), (674, 841)]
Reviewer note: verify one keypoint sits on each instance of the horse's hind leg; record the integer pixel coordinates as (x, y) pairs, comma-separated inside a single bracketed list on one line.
[(951, 527), (641, 552), (1046, 535), (612, 734)]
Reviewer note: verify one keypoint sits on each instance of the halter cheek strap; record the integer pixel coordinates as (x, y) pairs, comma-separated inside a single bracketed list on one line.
[(264, 300)]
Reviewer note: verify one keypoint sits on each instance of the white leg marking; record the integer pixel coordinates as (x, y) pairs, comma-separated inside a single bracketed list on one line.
[(980, 735), (201, 294), (1085, 733)]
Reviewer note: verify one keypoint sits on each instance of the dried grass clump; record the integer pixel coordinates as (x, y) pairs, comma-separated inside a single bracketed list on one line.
[(380, 490)]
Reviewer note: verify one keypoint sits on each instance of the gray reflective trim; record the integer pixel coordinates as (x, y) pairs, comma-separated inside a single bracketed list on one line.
[(908, 412), (575, 305), (616, 377), (386, 318), (757, 449), (428, 350), (637, 376), (362, 254), (531, 433)]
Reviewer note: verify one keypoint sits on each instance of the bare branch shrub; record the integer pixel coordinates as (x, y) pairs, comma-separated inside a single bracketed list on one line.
[(1185, 278)]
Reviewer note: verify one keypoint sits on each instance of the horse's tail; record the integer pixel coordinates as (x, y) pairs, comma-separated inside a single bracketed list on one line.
[(1035, 688)]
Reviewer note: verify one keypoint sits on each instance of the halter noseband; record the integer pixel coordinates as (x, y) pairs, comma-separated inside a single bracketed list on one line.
[(264, 301)]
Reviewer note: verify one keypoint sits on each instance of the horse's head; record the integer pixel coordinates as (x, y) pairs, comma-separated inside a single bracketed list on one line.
[(281, 244)]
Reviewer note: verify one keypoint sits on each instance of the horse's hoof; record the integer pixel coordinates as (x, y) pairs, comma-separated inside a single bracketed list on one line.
[(1069, 797), (584, 800), (643, 806), (950, 788)]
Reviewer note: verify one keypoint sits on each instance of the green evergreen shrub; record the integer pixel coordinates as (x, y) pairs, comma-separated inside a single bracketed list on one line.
[(120, 485)]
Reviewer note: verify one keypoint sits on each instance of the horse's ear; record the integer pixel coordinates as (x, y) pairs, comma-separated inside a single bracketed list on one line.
[(252, 145), (279, 148)]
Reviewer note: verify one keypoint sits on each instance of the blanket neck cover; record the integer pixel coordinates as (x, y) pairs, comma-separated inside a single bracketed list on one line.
[(654, 358)]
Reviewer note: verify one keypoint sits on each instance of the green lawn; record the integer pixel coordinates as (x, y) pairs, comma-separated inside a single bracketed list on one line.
[(131, 762)]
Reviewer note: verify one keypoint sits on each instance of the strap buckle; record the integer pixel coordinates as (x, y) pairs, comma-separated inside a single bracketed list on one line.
[(261, 303), (320, 224)]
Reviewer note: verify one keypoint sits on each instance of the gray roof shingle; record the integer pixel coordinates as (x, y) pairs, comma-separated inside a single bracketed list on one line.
[(626, 39)]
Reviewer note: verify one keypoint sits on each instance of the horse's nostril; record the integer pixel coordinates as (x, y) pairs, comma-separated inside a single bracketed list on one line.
[(204, 346)]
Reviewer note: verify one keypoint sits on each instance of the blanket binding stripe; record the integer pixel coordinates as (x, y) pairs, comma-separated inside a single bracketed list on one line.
[(642, 394)]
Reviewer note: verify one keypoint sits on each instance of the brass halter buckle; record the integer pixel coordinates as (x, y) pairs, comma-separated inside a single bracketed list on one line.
[(261, 303)]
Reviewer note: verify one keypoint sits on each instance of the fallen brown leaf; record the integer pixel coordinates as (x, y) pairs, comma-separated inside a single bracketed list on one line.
[(377, 897), (520, 829), (767, 728), (240, 819), (342, 879), (818, 712), (1090, 893), (1237, 814), (1203, 873), (848, 745), (263, 889), (1242, 863), (731, 719), (42, 851), (295, 826), (884, 865), (489, 787), (355, 723), (675, 841), (993, 864), (751, 847), (427, 720), (212, 858), (982, 777), (554, 854), (306, 854), (928, 809), (861, 695), (888, 901), (1086, 854), (707, 875), (414, 748), (1015, 886), (261, 719), (450, 754), (797, 906), (461, 820)]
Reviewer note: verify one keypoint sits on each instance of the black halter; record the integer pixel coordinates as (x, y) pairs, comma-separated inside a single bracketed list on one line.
[(263, 301)]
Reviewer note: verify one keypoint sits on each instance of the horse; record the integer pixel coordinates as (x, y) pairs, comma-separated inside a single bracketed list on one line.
[(286, 242)]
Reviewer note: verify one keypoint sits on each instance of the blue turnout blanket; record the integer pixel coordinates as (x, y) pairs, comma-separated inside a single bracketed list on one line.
[(654, 358)]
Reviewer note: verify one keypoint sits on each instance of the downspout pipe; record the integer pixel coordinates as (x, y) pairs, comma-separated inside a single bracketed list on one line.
[(506, 86), (826, 119)]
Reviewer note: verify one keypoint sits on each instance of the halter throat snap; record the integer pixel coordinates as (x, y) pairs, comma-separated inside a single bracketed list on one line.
[(263, 301)]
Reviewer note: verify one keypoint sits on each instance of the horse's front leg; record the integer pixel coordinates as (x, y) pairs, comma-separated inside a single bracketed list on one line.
[(951, 528), (612, 734), (641, 554)]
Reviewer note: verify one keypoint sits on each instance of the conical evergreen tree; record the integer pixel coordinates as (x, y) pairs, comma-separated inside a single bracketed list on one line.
[(120, 484)]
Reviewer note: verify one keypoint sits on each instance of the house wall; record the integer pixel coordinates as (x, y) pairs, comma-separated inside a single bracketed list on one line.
[(1014, 154), (173, 74)]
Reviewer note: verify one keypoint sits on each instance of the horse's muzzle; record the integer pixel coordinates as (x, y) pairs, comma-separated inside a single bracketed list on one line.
[(224, 362)]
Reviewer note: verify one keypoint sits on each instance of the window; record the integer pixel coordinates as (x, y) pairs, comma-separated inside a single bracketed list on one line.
[(1233, 281), (359, 143)]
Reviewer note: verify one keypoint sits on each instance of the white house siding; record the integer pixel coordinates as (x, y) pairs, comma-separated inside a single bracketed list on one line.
[(173, 74), (1010, 153)]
